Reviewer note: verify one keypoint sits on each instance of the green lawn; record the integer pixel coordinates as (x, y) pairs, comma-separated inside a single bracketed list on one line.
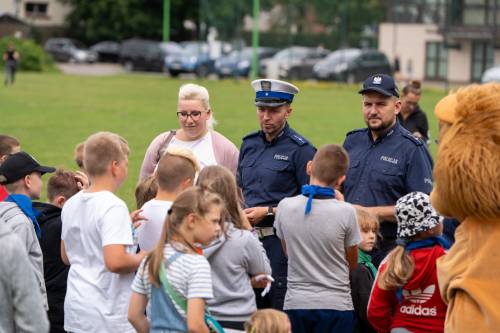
[(51, 113)]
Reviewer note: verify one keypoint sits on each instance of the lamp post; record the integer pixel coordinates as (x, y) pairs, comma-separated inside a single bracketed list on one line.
[(166, 20), (255, 39)]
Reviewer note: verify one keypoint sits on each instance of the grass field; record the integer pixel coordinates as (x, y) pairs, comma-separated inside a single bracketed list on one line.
[(51, 113)]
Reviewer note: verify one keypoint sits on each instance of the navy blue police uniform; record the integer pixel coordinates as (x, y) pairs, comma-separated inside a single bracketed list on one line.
[(383, 170), (267, 173)]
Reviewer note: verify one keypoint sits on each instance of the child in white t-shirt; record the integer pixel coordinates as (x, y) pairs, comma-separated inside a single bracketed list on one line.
[(194, 218), (97, 241), (175, 172)]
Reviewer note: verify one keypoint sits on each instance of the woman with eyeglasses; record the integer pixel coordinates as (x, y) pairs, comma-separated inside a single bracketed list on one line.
[(195, 133)]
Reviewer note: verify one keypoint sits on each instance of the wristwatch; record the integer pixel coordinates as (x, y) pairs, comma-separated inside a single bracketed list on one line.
[(270, 211)]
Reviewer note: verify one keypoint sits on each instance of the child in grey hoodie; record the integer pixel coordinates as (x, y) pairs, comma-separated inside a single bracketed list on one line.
[(21, 304), (234, 257)]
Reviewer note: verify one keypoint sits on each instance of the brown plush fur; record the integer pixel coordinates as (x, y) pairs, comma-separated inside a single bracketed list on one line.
[(467, 171)]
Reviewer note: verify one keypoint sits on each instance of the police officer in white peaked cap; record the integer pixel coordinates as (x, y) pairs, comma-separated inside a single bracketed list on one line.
[(272, 166)]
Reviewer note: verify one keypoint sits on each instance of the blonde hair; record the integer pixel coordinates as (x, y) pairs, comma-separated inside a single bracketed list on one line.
[(467, 170), (398, 269), (195, 92), (367, 221), (186, 154), (220, 180), (101, 149), (177, 165), (268, 321), (193, 200)]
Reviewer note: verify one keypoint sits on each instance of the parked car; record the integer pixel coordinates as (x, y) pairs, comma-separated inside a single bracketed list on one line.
[(69, 50), (295, 62), (239, 62), (142, 54), (193, 58), (491, 75), (107, 51), (352, 65)]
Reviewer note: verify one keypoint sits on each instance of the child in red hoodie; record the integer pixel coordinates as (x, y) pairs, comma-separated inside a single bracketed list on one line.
[(8, 146), (405, 297)]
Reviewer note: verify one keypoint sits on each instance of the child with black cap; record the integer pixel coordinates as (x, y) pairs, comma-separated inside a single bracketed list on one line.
[(21, 175), (405, 296)]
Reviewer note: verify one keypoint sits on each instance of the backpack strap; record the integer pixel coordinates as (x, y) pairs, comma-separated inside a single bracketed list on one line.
[(164, 145), (176, 297)]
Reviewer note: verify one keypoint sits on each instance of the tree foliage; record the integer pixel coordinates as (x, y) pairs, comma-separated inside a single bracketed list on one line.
[(120, 19)]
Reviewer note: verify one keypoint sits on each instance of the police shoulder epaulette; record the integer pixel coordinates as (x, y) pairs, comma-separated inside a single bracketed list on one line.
[(356, 131), (251, 135), (298, 139), (412, 138)]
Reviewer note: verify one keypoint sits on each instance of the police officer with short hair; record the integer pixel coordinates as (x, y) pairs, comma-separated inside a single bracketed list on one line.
[(272, 166), (386, 161)]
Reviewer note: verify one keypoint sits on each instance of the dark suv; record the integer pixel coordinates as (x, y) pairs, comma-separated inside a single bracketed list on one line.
[(352, 65), (142, 54)]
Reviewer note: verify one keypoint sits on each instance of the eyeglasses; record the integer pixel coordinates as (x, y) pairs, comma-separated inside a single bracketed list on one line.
[(184, 115)]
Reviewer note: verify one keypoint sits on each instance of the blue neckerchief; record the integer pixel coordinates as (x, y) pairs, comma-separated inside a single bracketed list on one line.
[(428, 242), (24, 203), (420, 244), (312, 190)]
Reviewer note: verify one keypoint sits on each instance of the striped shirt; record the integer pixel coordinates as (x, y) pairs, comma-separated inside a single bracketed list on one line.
[(190, 275)]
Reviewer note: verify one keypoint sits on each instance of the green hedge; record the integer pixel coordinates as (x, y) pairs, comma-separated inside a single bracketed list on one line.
[(32, 56)]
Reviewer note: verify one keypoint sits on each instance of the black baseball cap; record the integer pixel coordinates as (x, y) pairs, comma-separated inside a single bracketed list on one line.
[(18, 165), (380, 83)]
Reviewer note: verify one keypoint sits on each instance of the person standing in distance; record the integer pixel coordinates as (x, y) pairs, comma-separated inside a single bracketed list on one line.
[(387, 161), (272, 166)]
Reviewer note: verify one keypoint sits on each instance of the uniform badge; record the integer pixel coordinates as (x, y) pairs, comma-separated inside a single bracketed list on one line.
[(377, 80), (265, 85), (281, 157)]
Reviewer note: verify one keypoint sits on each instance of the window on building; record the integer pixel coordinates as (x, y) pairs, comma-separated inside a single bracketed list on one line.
[(474, 13), (436, 61), (416, 11), (36, 9), (483, 58)]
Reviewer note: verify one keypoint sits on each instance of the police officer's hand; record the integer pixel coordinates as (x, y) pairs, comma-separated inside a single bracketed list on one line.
[(255, 214)]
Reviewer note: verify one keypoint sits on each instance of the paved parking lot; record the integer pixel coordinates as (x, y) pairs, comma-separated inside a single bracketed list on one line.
[(98, 69)]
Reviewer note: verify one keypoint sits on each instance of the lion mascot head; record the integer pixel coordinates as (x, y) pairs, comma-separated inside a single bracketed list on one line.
[(467, 170)]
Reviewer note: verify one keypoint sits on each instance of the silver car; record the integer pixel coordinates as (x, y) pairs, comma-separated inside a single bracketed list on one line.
[(491, 75)]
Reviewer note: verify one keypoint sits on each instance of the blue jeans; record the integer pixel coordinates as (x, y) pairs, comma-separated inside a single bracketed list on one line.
[(321, 321)]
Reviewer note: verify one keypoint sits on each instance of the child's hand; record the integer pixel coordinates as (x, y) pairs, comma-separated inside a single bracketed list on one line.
[(339, 196), (137, 218), (262, 281), (82, 181)]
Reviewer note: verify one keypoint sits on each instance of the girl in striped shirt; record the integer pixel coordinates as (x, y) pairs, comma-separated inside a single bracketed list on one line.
[(194, 218)]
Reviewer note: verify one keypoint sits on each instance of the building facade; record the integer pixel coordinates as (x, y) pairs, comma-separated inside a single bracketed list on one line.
[(442, 40), (46, 16)]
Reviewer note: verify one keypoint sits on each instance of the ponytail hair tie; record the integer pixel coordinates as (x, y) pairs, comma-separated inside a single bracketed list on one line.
[(402, 242)]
